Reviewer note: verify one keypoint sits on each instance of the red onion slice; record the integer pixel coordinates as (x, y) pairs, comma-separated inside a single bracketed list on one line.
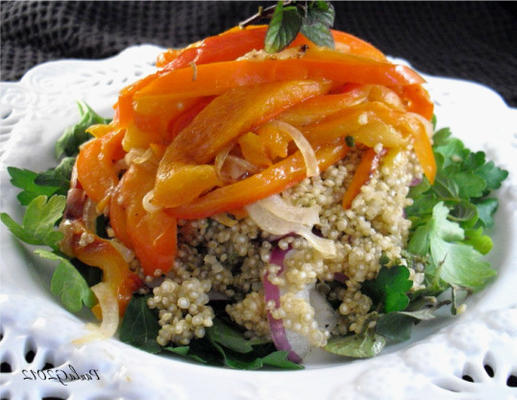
[(272, 292)]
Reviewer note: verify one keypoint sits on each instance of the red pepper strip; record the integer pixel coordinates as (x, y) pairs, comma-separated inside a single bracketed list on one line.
[(95, 170), (152, 234), (272, 180), (216, 78), (366, 168)]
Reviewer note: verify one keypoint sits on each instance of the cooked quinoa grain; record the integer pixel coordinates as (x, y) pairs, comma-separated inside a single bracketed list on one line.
[(233, 260)]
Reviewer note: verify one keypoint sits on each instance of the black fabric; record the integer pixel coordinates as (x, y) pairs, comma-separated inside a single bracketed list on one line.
[(470, 40)]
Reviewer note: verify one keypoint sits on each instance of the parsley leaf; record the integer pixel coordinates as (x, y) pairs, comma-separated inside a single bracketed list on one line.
[(365, 345), (454, 262), (75, 135), (140, 325), (25, 180), (390, 287), (68, 284), (57, 177), (38, 222)]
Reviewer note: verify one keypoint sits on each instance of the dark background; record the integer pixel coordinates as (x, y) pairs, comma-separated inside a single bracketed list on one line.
[(470, 40)]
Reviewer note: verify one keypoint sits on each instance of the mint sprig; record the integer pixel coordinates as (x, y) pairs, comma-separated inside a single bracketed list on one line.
[(313, 19)]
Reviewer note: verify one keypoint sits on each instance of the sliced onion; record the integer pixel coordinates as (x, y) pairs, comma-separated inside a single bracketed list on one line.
[(220, 158), (269, 222), (110, 316), (309, 156), (127, 254), (303, 215), (272, 293), (147, 205)]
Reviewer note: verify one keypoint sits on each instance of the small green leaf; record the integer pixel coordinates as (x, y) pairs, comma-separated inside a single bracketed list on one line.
[(59, 176), (283, 28), (322, 12), (469, 184), (39, 221), (140, 326), (279, 359), (486, 209), (24, 179), (395, 327), (75, 135), (365, 345), (68, 284), (390, 288), (319, 34), (493, 175), (228, 337)]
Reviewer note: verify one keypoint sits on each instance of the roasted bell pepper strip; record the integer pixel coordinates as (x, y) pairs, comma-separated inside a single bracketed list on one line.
[(102, 254), (216, 78), (178, 124), (373, 123), (254, 150), (418, 100), (272, 180), (361, 123), (95, 164), (235, 112), (321, 107), (152, 234), (275, 141), (366, 168), (180, 177), (226, 47), (238, 41), (89, 248)]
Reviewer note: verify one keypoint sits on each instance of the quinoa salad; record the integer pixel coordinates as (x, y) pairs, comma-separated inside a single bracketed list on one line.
[(257, 198)]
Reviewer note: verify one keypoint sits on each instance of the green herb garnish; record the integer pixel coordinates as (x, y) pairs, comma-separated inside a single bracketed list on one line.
[(312, 19)]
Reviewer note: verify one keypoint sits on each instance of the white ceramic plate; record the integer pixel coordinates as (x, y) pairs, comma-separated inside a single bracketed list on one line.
[(34, 112)]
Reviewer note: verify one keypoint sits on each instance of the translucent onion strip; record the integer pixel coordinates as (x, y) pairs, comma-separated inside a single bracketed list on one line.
[(110, 315), (303, 215), (309, 156), (147, 203), (275, 225)]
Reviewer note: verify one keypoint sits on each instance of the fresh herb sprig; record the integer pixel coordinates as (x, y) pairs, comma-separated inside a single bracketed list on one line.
[(43, 194), (313, 19)]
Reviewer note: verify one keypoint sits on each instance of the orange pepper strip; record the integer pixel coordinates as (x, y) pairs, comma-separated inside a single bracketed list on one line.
[(367, 166), (216, 78), (272, 180), (178, 124), (254, 150), (318, 108), (102, 254), (180, 178), (95, 170), (418, 101), (275, 141), (359, 122), (238, 41), (376, 129), (152, 234)]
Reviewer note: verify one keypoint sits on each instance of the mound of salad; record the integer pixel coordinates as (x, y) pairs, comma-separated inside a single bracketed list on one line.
[(267, 191)]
